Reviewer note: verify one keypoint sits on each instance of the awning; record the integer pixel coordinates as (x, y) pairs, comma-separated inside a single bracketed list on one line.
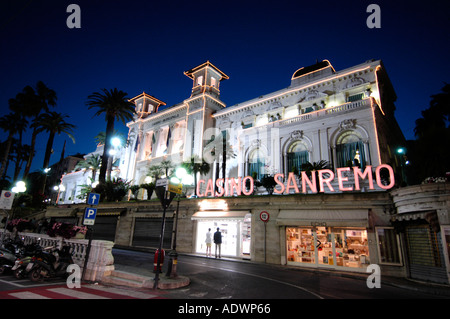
[(341, 218), (411, 216), (229, 214)]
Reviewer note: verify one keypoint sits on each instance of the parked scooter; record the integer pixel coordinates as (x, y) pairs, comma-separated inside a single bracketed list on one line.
[(26, 256), (52, 266), (7, 260)]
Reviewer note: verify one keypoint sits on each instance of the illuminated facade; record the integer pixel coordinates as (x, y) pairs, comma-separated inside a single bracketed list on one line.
[(345, 118), (352, 219)]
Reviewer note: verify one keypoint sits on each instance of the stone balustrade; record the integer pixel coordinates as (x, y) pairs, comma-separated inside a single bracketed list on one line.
[(101, 260)]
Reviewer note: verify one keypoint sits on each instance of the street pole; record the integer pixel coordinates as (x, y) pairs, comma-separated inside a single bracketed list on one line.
[(172, 268), (163, 224)]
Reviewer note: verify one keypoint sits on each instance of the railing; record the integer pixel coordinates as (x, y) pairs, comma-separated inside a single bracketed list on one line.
[(101, 260), (327, 111)]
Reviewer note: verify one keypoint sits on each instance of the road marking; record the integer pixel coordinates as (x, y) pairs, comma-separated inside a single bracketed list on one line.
[(129, 293), (76, 294), (27, 295), (261, 277)]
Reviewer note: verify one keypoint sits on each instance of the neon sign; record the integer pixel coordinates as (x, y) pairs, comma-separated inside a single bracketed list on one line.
[(316, 183)]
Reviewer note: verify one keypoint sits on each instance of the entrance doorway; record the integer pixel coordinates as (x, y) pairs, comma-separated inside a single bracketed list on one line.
[(236, 235)]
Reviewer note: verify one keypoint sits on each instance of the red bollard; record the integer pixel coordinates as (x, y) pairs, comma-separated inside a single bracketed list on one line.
[(155, 261)]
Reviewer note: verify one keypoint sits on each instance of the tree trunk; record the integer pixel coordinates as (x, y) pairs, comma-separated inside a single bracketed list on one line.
[(30, 158), (5, 157), (105, 156), (48, 153)]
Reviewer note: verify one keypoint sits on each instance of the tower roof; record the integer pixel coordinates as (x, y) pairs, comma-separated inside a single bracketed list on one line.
[(189, 73), (143, 94)]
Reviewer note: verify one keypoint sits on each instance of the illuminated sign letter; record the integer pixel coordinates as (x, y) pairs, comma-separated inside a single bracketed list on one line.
[(219, 187), (291, 179), (391, 176), (244, 189), (342, 179), (367, 173), (326, 180), (312, 185), (209, 188), (198, 188), (276, 191), (234, 186)]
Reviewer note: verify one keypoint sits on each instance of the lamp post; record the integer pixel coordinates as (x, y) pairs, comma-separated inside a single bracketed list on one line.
[(180, 179), (403, 161)]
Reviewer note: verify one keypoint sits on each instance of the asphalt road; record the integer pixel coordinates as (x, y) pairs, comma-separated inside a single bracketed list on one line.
[(224, 279)]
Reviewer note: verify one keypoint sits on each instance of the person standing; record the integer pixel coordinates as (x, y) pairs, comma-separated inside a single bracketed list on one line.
[(208, 242), (218, 241)]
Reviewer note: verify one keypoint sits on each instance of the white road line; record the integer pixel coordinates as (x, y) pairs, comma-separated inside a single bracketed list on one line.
[(27, 295), (12, 283), (125, 292), (253, 275), (76, 294)]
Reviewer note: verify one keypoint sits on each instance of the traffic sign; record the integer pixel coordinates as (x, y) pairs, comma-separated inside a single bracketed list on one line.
[(177, 189), (93, 199), (264, 216), (6, 200), (162, 182), (89, 216)]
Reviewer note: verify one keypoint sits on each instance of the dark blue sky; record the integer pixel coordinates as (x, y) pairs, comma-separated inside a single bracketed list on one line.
[(147, 45)]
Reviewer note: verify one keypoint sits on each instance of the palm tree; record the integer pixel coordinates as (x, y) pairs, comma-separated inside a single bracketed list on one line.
[(54, 123), (11, 123), (32, 102), (195, 166), (92, 162), (309, 167), (115, 105)]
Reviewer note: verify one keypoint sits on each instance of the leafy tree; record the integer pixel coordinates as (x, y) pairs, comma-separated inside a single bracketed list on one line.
[(115, 105), (196, 166), (429, 154), (92, 162)]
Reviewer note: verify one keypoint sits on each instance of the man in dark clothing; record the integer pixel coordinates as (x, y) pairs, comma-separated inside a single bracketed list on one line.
[(218, 240)]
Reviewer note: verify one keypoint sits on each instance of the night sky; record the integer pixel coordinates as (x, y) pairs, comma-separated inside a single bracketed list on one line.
[(138, 46)]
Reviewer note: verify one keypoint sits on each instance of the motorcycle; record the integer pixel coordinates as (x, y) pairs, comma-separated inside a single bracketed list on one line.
[(26, 256), (52, 265), (7, 260)]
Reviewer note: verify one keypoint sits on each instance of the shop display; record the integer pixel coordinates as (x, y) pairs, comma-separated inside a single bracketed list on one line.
[(331, 246)]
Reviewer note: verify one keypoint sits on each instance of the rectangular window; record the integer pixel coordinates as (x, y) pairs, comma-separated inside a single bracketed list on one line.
[(388, 246), (356, 97)]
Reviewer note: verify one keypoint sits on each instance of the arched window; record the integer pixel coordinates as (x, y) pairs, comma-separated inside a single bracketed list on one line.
[(350, 150), (297, 155), (256, 163)]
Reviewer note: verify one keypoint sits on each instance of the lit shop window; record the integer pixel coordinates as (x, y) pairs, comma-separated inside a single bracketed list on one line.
[(334, 247)]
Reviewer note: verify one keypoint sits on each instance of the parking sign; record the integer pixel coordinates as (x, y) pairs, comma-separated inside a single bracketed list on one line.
[(89, 216)]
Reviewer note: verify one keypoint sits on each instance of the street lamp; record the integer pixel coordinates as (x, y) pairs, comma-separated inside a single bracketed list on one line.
[(116, 143)]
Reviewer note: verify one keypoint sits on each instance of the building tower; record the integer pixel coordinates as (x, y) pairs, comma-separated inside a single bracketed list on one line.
[(204, 101)]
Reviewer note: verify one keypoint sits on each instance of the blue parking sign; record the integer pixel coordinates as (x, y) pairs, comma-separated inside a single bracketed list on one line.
[(89, 216), (93, 198)]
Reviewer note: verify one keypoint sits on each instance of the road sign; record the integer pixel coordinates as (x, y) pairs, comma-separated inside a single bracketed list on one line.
[(264, 216), (162, 182), (93, 199), (177, 189), (89, 216), (6, 200)]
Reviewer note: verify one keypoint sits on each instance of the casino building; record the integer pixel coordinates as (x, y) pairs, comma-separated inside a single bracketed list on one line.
[(341, 220)]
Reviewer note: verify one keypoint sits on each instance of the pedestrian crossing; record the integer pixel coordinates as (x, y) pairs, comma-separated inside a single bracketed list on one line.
[(87, 291)]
